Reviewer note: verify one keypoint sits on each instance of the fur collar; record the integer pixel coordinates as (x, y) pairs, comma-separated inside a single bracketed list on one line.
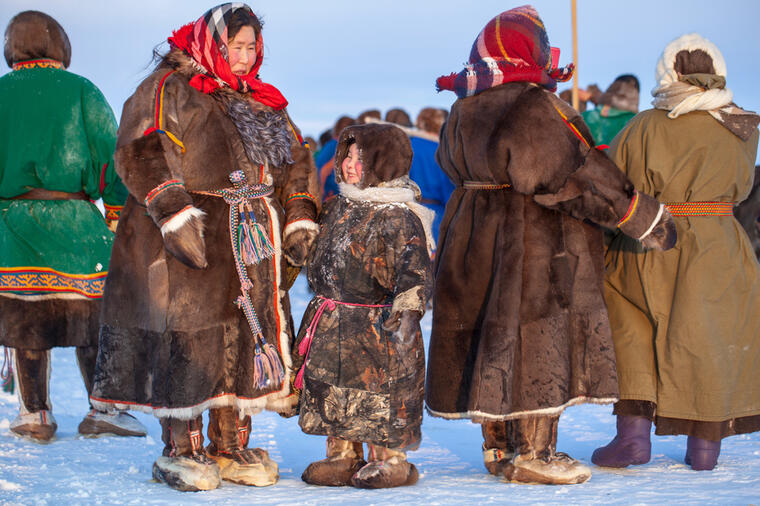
[(401, 191)]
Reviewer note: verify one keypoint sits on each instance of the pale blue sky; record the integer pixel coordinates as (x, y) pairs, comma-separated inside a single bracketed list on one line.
[(342, 57)]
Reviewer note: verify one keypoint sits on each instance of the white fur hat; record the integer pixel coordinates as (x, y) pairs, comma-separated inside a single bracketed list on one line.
[(665, 70)]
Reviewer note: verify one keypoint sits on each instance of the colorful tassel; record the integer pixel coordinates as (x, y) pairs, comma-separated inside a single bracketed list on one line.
[(277, 367), (6, 373), (253, 243)]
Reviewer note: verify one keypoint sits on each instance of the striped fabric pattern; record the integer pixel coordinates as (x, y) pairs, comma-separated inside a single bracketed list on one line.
[(512, 47)]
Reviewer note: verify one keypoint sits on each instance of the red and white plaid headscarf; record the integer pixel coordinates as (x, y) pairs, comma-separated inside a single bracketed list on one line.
[(513, 46), (205, 41)]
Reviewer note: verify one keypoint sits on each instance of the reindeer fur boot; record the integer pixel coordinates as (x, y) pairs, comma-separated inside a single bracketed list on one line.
[(537, 461), (184, 465), (344, 459), (229, 448), (498, 445), (386, 469)]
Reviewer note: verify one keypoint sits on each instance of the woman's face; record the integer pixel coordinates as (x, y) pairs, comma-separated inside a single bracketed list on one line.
[(242, 51), (352, 166)]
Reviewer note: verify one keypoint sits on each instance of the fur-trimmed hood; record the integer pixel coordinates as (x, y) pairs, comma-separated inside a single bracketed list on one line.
[(384, 149), (34, 35)]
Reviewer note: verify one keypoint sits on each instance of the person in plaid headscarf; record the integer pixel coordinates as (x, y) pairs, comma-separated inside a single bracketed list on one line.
[(223, 196), (520, 329)]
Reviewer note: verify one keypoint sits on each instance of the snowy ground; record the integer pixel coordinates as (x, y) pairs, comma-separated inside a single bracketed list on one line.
[(111, 470)]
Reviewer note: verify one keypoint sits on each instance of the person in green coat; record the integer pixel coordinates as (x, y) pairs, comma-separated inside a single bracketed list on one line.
[(685, 322), (57, 137), (614, 108)]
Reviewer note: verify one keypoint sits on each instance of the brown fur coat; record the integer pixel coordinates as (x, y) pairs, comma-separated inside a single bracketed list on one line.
[(519, 325), (172, 340)]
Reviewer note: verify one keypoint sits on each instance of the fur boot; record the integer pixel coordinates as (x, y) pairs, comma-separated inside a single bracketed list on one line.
[(119, 423), (32, 373), (498, 445), (184, 465), (386, 469), (702, 454), (631, 445), (39, 426), (237, 463), (344, 459), (537, 461)]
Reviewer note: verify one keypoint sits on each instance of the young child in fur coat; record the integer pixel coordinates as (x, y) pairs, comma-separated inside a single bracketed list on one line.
[(360, 348)]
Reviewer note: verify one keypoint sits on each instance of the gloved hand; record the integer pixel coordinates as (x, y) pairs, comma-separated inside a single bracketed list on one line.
[(297, 244)]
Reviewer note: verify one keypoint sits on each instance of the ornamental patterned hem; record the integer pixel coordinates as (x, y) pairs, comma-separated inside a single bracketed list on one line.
[(112, 212), (44, 64), (40, 279)]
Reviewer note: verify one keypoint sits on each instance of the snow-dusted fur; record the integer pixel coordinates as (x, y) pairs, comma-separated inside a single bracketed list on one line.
[(265, 134), (397, 191)]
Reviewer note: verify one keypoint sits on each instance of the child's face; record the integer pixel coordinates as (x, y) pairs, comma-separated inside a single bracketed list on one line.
[(352, 166)]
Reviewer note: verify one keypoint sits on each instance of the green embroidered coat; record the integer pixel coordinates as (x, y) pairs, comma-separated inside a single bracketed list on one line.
[(57, 132)]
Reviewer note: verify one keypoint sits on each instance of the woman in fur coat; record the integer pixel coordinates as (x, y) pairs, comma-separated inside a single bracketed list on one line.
[(360, 345), (57, 135), (685, 322), (520, 328), (222, 200)]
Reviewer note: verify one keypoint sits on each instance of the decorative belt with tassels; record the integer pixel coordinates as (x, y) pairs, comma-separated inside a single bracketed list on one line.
[(478, 185), (700, 208), (250, 245)]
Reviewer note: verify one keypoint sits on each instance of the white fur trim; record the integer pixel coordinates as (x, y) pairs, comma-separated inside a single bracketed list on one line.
[(654, 222), (665, 69), (393, 195), (47, 296), (522, 414), (379, 194), (180, 219), (409, 300), (300, 225), (666, 76)]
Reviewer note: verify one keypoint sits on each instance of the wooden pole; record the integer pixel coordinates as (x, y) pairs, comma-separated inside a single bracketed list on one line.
[(574, 7)]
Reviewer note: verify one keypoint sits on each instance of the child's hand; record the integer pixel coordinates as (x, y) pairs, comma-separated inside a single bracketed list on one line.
[(297, 244), (404, 326)]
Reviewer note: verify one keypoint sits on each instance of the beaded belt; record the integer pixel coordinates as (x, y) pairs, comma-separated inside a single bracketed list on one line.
[(700, 208), (477, 185), (250, 245)]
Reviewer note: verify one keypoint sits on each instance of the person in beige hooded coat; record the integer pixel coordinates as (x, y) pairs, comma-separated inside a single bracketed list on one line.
[(685, 321)]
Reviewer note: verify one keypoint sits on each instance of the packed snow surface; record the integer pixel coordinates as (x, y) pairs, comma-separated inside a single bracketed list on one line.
[(76, 470)]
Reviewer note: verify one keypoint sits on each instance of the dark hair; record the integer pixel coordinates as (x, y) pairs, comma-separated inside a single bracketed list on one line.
[(629, 78), (240, 18)]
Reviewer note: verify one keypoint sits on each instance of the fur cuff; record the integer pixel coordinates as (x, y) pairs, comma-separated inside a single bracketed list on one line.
[(410, 300), (178, 220), (305, 224), (643, 214)]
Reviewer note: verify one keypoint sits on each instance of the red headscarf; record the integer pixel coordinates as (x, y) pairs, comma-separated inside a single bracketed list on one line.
[(513, 46), (205, 41)]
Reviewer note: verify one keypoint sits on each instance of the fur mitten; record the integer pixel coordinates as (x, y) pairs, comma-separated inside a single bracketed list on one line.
[(663, 236), (181, 224), (298, 238), (648, 221)]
